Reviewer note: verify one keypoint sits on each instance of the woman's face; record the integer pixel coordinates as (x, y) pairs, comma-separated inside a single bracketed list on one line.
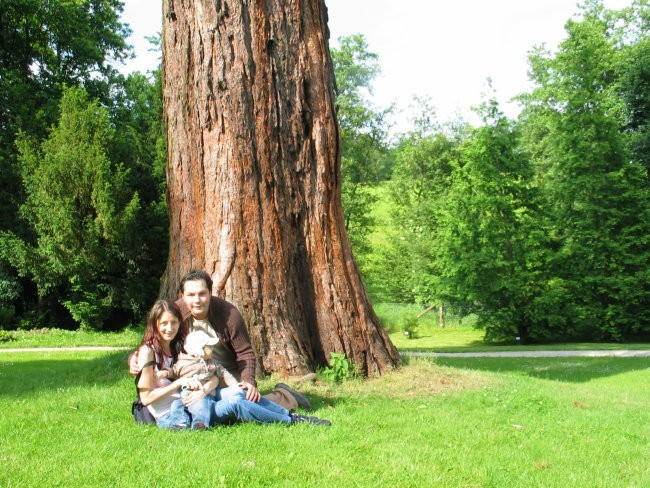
[(168, 325)]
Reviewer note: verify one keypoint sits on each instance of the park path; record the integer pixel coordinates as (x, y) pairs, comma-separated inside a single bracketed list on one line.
[(56, 349), (533, 354), (620, 353)]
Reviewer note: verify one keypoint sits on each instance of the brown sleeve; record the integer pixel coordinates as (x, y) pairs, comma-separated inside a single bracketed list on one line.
[(236, 339)]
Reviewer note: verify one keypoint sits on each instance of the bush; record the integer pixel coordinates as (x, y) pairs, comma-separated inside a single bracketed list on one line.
[(339, 369), (410, 327)]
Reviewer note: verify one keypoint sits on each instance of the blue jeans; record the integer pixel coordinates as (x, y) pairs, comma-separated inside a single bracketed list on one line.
[(177, 418), (230, 404), (200, 411)]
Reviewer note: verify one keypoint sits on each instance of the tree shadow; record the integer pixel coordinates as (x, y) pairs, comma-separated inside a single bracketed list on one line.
[(564, 369), (60, 370)]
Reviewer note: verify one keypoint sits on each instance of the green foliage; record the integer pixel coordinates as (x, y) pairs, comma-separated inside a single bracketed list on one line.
[(6, 336), (489, 234), (596, 195), (339, 368), (363, 138), (45, 46), (424, 159), (539, 226), (85, 217), (410, 327)]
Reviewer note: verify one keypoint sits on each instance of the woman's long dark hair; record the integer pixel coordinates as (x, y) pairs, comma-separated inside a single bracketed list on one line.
[(152, 337)]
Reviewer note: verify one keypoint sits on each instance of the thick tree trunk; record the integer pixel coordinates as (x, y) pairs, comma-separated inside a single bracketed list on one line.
[(254, 179)]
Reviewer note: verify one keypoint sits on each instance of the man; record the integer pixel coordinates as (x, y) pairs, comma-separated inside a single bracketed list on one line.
[(221, 319)]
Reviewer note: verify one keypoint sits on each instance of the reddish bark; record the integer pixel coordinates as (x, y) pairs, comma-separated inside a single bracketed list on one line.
[(254, 179)]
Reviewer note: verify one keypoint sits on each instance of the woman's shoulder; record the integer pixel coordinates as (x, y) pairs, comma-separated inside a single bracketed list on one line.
[(145, 354)]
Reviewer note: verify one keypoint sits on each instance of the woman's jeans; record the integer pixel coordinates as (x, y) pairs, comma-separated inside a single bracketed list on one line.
[(176, 418), (230, 404)]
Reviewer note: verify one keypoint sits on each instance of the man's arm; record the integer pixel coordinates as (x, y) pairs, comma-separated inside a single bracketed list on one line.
[(240, 343), (134, 367)]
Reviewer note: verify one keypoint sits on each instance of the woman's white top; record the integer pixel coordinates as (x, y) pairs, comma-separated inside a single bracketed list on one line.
[(162, 406)]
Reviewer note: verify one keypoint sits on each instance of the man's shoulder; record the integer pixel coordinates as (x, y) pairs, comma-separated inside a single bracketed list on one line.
[(224, 315), (220, 301), (221, 305)]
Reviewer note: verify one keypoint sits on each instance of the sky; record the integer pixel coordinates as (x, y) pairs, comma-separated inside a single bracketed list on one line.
[(441, 50)]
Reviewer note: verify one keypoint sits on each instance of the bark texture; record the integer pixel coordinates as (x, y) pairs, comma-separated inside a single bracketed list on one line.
[(254, 179)]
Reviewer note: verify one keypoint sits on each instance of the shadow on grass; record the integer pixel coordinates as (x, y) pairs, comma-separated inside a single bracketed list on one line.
[(565, 369), (23, 377), (27, 374)]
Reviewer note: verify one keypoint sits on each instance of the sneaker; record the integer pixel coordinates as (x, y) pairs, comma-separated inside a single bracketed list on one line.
[(306, 419), (302, 400), (199, 426)]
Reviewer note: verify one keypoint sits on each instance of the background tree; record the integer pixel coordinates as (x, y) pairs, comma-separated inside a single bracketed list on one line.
[(633, 69), (421, 179), (488, 234), (44, 46), (83, 214), (254, 180), (596, 196), (364, 151)]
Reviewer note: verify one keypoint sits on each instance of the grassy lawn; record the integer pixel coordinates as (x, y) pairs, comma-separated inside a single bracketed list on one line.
[(68, 338), (468, 339), (448, 422)]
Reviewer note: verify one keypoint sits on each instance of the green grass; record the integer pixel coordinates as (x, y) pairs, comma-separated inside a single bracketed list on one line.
[(452, 422), (467, 339), (68, 338)]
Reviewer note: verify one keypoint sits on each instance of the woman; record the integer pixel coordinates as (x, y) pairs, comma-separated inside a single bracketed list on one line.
[(161, 344)]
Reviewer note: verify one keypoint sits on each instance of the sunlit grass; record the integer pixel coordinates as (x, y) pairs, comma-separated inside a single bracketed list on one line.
[(452, 422), (68, 338)]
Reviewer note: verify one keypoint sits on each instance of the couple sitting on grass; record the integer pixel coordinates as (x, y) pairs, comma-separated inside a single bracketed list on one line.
[(206, 377)]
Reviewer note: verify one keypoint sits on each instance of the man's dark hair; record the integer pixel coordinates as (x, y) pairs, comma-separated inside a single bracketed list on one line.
[(195, 275)]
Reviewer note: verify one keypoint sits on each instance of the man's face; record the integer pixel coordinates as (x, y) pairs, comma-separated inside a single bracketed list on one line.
[(197, 298)]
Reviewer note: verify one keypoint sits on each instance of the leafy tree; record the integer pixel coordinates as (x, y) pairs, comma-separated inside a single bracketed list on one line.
[(84, 216), (634, 69), (45, 45), (489, 237), (596, 196), (363, 136), (421, 180)]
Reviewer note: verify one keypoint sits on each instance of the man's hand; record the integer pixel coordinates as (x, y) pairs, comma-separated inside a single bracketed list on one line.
[(252, 395), (133, 363)]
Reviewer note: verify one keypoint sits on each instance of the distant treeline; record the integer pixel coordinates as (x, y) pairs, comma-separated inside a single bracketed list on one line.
[(538, 225)]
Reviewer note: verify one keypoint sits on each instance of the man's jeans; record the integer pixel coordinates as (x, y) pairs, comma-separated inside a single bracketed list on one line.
[(229, 404)]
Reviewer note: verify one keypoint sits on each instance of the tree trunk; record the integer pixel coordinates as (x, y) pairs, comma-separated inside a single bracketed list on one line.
[(254, 179)]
